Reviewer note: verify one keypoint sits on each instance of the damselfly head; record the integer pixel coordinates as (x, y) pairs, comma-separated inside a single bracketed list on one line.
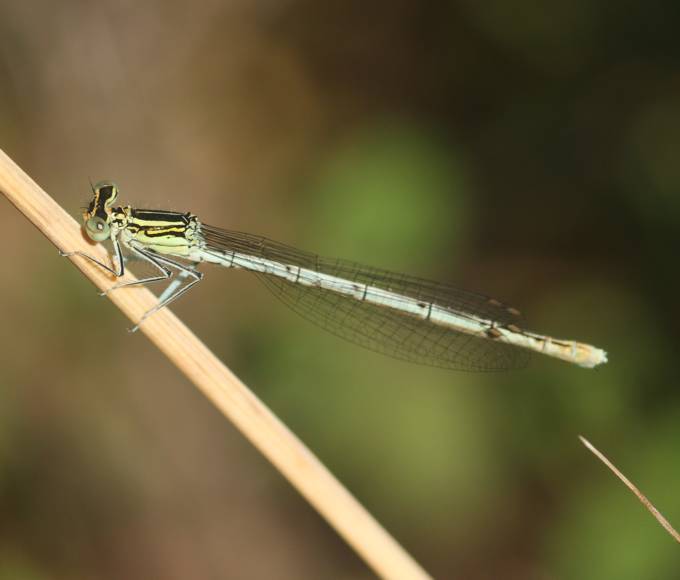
[(104, 194), (96, 216)]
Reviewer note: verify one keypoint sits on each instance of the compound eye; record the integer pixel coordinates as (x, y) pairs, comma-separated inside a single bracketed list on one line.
[(97, 229)]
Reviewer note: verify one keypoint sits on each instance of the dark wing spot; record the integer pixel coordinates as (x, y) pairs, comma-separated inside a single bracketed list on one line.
[(494, 333)]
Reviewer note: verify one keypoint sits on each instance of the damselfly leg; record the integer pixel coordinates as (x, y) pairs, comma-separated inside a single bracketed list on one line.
[(161, 263), (174, 289), (116, 271)]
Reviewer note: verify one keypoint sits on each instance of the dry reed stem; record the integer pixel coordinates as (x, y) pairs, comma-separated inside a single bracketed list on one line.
[(274, 440), (648, 504)]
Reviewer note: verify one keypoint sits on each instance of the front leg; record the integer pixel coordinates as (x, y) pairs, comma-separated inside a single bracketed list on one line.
[(117, 272)]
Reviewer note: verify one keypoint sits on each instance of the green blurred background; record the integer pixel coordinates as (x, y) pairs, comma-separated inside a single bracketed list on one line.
[(525, 150)]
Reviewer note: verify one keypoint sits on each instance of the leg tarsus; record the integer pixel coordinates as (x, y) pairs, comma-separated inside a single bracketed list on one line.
[(120, 271)]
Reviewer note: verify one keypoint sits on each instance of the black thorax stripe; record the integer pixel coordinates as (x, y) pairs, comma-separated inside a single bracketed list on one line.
[(159, 223)]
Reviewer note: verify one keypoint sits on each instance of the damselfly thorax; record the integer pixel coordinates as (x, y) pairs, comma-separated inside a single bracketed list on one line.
[(400, 315)]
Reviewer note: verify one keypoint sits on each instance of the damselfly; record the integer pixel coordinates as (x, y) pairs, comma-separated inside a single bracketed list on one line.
[(402, 316)]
